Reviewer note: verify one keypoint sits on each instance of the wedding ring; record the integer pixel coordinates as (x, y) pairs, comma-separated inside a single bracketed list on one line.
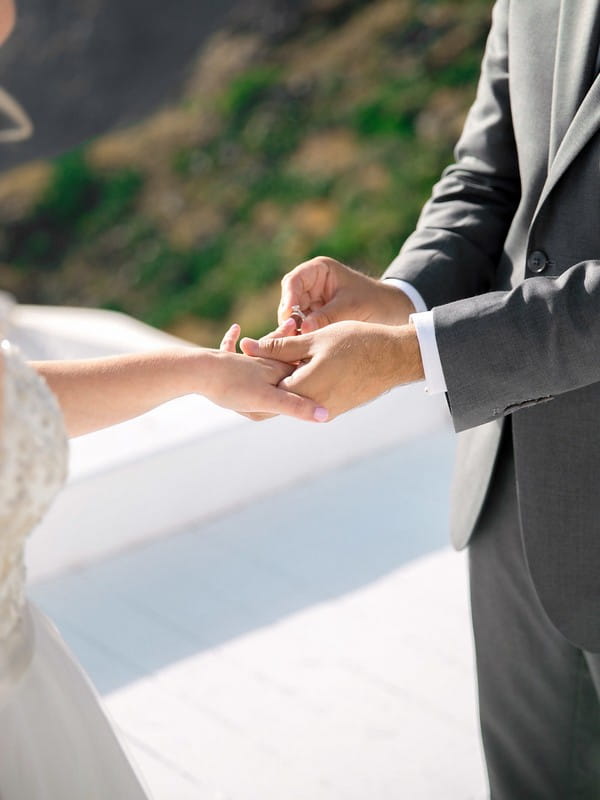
[(298, 316)]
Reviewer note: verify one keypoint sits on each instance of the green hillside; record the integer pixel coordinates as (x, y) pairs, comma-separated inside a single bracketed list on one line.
[(327, 142)]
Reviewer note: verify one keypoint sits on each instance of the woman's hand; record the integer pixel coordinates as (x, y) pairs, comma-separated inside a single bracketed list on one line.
[(250, 385), (98, 392), (229, 345), (345, 364)]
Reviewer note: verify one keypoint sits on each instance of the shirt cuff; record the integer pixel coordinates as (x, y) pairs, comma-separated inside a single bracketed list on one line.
[(422, 319), (435, 383), (409, 290)]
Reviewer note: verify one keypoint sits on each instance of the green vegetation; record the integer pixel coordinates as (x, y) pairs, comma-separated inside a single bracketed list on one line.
[(246, 91), (328, 143), (77, 204)]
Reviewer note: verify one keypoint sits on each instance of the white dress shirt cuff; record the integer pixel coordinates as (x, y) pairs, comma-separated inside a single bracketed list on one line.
[(409, 290), (422, 319), (430, 354)]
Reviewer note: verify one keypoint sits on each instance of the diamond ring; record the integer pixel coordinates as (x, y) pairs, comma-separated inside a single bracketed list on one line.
[(298, 316)]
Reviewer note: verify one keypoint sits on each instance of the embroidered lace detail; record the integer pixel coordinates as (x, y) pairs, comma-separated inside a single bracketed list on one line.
[(33, 465)]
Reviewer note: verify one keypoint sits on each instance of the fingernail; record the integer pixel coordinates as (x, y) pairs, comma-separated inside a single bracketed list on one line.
[(321, 414)]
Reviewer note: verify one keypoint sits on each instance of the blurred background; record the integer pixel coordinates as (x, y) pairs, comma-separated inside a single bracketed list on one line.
[(187, 155)]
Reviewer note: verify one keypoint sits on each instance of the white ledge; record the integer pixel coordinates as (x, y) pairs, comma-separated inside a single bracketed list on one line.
[(187, 460)]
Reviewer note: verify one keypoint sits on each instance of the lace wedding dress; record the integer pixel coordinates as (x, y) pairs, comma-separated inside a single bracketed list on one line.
[(55, 741)]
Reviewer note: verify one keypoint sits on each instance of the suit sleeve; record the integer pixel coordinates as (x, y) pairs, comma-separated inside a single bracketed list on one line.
[(504, 351), (460, 235), (500, 351)]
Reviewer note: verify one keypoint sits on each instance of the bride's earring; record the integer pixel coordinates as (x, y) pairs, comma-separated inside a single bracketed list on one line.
[(23, 126)]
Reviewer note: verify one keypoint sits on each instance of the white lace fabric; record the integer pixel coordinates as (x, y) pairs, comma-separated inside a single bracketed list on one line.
[(33, 466)]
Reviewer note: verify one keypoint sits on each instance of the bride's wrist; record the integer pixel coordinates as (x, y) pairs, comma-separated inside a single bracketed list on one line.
[(180, 371), (201, 371)]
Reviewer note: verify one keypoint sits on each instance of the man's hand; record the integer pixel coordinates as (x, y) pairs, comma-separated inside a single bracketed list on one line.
[(345, 364), (327, 291)]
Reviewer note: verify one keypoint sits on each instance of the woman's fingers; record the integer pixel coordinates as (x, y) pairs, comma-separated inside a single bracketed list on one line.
[(285, 329), (256, 416), (230, 340), (293, 405)]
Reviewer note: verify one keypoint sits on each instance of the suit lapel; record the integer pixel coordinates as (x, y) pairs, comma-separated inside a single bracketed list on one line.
[(575, 114), (576, 53)]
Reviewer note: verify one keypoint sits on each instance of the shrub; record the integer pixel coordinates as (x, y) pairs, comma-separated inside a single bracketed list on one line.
[(245, 91)]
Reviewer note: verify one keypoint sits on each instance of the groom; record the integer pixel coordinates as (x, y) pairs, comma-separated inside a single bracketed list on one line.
[(503, 273)]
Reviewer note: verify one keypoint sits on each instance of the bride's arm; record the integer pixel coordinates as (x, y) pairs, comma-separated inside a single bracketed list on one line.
[(96, 393)]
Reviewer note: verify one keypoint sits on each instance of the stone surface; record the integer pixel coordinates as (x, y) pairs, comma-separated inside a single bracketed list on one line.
[(82, 68), (311, 644)]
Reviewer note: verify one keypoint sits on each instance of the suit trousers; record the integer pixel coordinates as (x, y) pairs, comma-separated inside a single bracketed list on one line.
[(539, 695)]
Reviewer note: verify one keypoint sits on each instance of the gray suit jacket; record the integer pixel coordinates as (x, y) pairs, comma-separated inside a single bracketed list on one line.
[(507, 252)]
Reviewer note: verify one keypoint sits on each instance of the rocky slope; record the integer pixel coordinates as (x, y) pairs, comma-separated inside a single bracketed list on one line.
[(302, 127)]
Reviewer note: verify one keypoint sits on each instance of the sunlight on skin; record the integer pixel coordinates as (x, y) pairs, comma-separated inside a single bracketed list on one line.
[(229, 344)]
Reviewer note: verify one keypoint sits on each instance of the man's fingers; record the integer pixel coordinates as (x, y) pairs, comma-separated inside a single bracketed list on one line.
[(229, 342), (322, 314), (293, 291), (291, 349), (325, 315), (307, 284), (314, 321), (293, 405)]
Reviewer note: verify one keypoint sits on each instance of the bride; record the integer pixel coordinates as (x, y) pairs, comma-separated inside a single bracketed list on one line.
[(55, 740)]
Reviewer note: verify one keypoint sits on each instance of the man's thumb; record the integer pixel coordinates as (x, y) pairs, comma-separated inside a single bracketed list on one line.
[(290, 349)]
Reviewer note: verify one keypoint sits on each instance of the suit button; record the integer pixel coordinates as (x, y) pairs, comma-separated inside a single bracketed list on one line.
[(537, 261)]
